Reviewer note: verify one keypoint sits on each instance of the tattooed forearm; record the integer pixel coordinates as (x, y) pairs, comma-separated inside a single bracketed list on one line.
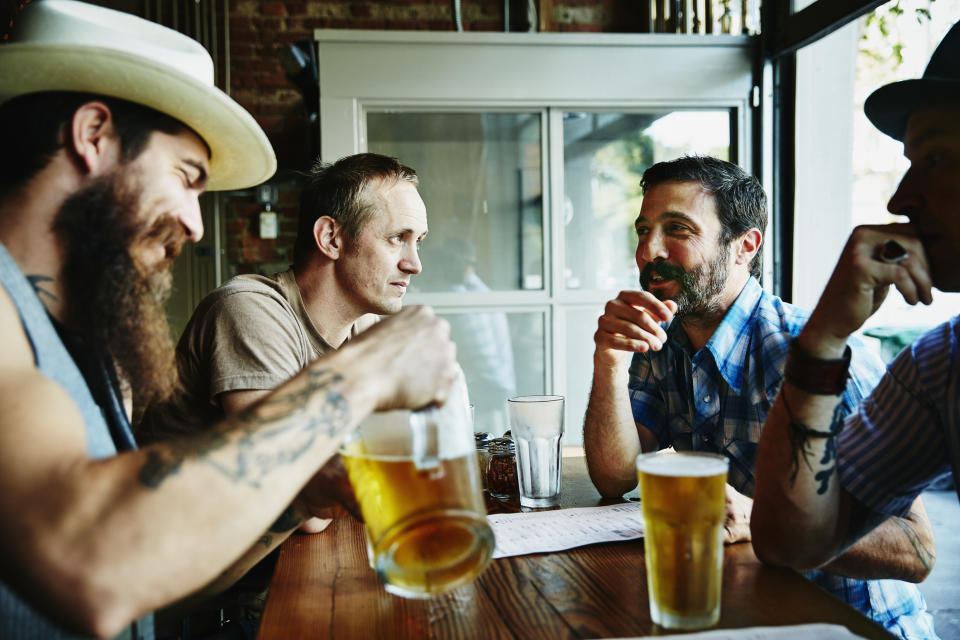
[(274, 433), (266, 539), (927, 556), (800, 435), (332, 410), (36, 280), (157, 468), (164, 463)]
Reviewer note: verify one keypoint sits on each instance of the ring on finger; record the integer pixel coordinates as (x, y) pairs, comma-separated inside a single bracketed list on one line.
[(892, 252)]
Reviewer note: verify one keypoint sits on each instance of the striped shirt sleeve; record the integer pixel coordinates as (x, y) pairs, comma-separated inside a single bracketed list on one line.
[(893, 446)]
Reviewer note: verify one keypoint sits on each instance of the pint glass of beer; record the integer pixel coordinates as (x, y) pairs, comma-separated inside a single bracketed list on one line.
[(416, 479), (683, 500)]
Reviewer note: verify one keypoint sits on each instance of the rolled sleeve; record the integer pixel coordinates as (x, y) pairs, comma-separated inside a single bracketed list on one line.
[(646, 399)]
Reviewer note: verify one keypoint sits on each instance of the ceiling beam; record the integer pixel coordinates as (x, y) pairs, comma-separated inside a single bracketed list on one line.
[(785, 32)]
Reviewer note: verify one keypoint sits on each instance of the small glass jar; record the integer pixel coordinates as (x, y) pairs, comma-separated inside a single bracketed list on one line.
[(480, 441), (502, 481)]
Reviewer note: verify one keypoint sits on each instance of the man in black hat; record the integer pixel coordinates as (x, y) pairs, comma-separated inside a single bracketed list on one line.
[(823, 482)]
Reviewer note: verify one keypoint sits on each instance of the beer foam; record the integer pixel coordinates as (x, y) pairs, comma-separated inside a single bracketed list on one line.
[(681, 464)]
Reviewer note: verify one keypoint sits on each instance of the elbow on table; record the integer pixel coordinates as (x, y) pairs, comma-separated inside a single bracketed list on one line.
[(776, 544), (612, 487), (608, 478), (921, 563), (766, 544), (919, 572), (780, 555)]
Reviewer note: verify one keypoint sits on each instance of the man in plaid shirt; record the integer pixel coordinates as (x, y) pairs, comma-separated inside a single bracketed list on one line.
[(709, 347)]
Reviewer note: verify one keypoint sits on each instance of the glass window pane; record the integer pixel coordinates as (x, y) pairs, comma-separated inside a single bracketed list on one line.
[(481, 179), (502, 355), (855, 167), (581, 324), (605, 155), (878, 162)]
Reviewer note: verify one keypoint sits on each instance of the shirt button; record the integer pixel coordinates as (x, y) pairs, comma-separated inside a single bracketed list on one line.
[(705, 438), (706, 398)]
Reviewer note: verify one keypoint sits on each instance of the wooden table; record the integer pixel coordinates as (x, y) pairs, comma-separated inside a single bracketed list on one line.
[(323, 587)]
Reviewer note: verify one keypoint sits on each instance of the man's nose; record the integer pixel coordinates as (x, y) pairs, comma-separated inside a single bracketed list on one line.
[(191, 218), (410, 262), (907, 199), (651, 247)]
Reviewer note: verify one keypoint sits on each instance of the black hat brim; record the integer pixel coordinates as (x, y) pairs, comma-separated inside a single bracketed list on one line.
[(890, 106)]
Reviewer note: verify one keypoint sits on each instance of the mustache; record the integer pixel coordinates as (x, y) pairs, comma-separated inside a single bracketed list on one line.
[(168, 232), (665, 270)]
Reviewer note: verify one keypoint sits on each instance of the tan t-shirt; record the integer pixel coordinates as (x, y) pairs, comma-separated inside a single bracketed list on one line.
[(252, 332)]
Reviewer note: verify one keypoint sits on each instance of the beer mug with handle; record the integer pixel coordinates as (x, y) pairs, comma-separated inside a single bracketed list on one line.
[(417, 482)]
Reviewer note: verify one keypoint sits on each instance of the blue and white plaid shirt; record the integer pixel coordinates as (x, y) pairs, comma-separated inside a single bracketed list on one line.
[(717, 400)]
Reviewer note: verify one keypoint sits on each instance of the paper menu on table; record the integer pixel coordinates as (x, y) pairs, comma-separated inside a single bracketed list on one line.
[(541, 531), (819, 631)]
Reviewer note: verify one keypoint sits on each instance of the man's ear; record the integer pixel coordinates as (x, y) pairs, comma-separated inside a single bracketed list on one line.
[(93, 139), (747, 246), (328, 236)]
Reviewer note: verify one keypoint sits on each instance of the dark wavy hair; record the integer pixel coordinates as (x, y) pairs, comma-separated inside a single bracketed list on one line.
[(741, 201)]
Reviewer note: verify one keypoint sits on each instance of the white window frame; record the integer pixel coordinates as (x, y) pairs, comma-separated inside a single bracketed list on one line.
[(363, 71)]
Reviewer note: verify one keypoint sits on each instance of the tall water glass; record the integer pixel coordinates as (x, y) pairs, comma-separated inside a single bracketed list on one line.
[(684, 505), (537, 426)]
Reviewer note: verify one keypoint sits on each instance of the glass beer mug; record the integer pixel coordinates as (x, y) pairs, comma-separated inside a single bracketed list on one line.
[(416, 479), (683, 499)]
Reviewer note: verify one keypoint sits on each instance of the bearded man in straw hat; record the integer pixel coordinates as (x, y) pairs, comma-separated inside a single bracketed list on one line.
[(822, 482), (113, 128)]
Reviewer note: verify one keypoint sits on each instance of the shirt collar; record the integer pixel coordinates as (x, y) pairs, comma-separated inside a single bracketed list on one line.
[(730, 342)]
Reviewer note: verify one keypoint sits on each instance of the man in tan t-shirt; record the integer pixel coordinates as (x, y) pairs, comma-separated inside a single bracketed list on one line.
[(360, 228)]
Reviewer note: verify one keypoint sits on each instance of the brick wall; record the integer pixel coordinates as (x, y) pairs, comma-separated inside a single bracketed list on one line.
[(259, 28)]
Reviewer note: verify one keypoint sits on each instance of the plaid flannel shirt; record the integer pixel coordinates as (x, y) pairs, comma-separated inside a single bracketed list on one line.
[(717, 400)]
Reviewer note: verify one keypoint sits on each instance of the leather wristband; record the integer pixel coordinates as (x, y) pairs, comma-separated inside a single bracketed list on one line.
[(819, 376)]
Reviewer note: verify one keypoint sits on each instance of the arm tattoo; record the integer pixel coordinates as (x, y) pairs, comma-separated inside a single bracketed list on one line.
[(35, 281), (265, 540), (800, 435), (927, 557), (274, 433), (829, 455)]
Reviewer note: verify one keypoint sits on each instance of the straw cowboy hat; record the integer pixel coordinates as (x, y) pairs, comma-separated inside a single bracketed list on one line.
[(890, 106), (61, 45)]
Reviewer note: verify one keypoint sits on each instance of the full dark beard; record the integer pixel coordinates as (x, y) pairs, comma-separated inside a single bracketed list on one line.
[(114, 302), (700, 289)]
